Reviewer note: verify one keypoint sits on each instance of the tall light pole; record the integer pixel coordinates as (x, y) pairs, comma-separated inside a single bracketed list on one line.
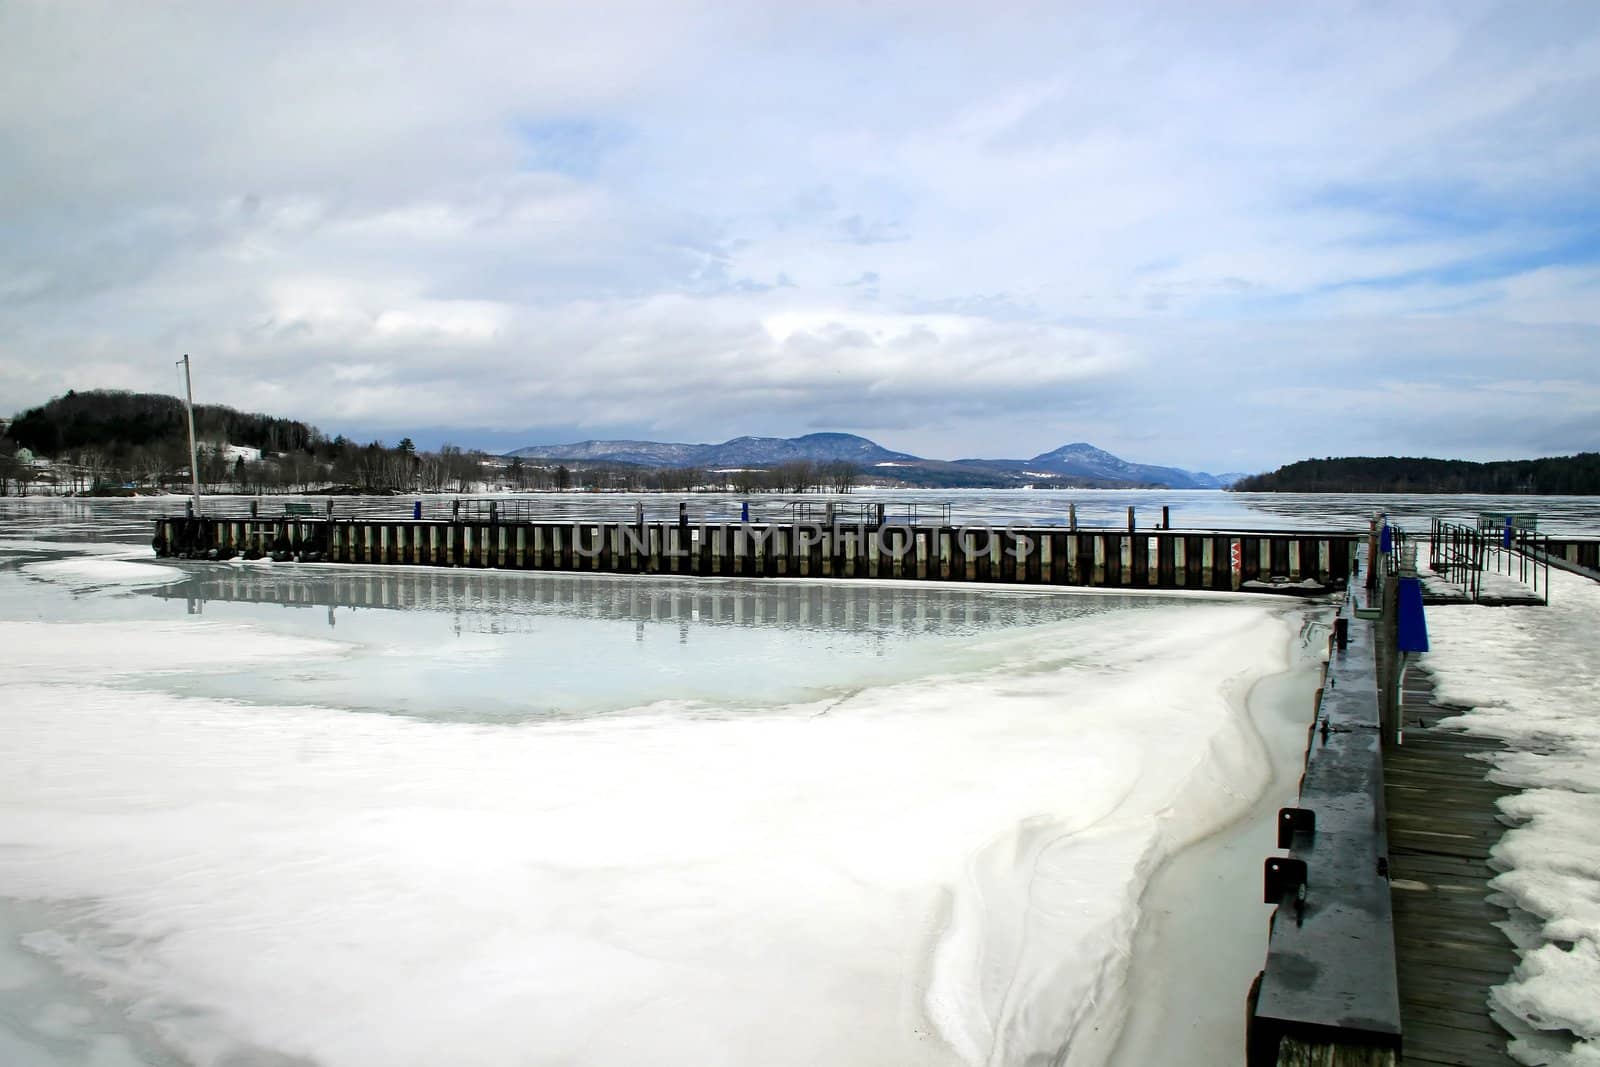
[(194, 465)]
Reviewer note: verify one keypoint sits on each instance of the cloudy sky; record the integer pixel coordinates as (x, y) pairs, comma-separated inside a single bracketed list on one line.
[(1223, 236)]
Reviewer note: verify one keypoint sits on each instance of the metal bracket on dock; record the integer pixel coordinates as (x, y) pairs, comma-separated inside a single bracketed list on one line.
[(1293, 821), (1283, 875), (1330, 978)]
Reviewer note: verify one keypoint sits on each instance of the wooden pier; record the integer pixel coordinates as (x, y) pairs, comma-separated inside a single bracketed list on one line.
[(1327, 992), (1443, 822), (1583, 553), (1303, 563), (1384, 945)]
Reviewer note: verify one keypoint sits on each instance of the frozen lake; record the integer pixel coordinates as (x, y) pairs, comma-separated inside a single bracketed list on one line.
[(289, 815), (1190, 509)]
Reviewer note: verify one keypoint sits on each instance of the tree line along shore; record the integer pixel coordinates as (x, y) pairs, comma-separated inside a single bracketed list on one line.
[(1577, 475), (109, 442), (112, 443)]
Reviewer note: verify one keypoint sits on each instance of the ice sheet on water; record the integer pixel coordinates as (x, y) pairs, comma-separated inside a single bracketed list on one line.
[(933, 866), (30, 546), (491, 646), (1532, 678), (130, 519), (80, 651), (83, 573)]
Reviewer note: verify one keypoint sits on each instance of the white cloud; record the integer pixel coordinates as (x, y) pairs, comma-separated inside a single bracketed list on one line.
[(1146, 229)]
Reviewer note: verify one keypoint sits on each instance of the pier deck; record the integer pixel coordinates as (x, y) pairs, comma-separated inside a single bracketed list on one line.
[(1442, 823), (1497, 590)]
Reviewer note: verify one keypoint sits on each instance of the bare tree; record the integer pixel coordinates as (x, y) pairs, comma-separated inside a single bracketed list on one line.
[(840, 475)]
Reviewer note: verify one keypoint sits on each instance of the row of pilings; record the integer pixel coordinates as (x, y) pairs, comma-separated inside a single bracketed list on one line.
[(1163, 559)]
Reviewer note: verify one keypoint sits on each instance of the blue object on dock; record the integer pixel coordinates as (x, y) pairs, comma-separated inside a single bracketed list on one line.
[(1385, 540), (1413, 624), (744, 511), (416, 510), (1508, 532)]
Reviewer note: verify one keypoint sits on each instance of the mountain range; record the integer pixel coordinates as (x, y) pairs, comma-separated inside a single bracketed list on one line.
[(1080, 465)]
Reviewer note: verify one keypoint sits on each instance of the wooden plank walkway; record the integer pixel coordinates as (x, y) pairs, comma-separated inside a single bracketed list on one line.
[(1442, 823)]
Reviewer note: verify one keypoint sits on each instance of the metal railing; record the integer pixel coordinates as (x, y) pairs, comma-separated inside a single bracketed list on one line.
[(1524, 555), (1491, 521), (580, 507), (1462, 555), (1456, 553), (1402, 549), (867, 513)]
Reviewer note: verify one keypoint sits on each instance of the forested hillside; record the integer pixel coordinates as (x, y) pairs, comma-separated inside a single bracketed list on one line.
[(109, 442), (111, 419), (1577, 475), (105, 440)]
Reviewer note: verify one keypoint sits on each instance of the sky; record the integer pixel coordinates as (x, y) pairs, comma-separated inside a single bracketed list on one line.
[(1219, 236)]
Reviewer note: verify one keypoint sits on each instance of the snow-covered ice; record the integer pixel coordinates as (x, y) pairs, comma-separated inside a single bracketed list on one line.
[(926, 846), (1532, 677), (99, 572)]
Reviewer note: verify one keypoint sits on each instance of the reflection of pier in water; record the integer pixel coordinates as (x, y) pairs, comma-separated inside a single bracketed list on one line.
[(496, 602)]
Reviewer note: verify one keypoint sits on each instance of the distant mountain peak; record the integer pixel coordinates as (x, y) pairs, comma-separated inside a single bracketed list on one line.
[(1078, 463), (744, 451), (1080, 450), (1084, 460)]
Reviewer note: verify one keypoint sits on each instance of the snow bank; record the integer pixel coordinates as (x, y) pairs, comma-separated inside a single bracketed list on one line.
[(1532, 677), (1166, 758)]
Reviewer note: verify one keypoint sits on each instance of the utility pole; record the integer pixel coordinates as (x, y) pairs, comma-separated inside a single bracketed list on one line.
[(194, 464)]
